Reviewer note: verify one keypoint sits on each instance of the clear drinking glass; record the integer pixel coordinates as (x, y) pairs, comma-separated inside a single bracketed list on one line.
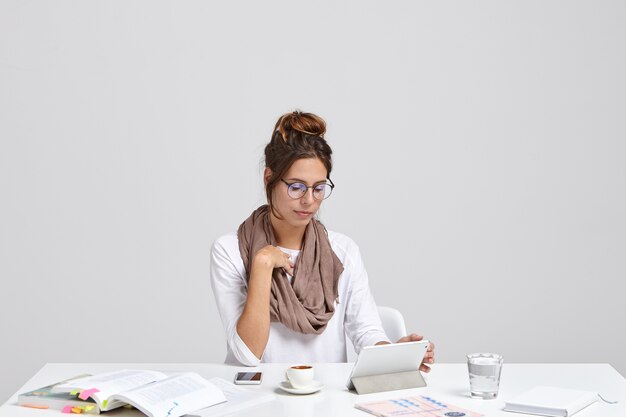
[(484, 374)]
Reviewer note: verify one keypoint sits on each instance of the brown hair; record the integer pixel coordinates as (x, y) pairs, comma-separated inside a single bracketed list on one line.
[(297, 135)]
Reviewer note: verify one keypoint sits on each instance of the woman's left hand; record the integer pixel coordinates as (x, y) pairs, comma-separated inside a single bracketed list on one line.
[(429, 357)]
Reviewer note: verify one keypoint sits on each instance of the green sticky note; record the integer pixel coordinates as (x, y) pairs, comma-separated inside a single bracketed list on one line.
[(89, 407), (104, 403), (75, 392)]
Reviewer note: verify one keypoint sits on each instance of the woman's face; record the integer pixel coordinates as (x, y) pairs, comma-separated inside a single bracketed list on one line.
[(299, 212)]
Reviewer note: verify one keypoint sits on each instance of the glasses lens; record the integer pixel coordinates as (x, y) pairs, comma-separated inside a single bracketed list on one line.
[(296, 190), (322, 191)]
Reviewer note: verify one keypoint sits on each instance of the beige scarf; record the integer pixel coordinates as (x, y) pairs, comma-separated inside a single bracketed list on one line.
[(307, 304)]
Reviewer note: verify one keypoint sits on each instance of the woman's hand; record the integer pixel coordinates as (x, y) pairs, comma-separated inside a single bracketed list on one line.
[(271, 256), (254, 323), (429, 357)]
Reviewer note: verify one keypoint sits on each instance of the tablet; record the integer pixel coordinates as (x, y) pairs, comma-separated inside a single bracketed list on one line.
[(387, 359)]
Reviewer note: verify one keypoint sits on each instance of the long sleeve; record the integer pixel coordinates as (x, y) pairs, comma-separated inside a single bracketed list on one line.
[(362, 322), (230, 290)]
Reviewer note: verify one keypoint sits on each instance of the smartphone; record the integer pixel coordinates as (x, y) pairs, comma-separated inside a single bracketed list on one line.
[(248, 378)]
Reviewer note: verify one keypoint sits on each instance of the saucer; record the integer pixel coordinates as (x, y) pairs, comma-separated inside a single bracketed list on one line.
[(314, 387)]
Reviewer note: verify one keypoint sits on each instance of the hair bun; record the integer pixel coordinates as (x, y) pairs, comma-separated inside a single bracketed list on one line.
[(298, 121)]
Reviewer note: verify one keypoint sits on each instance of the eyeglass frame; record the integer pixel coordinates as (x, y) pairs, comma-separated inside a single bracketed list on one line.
[(332, 187)]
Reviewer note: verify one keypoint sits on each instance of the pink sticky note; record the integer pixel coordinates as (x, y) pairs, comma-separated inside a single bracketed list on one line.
[(88, 393), (67, 409)]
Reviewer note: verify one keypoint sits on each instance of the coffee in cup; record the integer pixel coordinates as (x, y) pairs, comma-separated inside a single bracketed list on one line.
[(300, 376)]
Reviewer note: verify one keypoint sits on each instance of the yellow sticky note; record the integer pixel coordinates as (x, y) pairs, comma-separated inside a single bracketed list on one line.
[(77, 410), (89, 407), (75, 392)]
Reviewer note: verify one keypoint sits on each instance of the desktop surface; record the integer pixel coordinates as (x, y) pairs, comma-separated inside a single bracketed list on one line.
[(446, 382)]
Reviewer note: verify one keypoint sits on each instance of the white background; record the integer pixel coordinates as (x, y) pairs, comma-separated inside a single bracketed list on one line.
[(479, 151)]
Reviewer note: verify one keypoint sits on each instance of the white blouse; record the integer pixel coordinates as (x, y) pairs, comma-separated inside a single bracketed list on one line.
[(356, 314)]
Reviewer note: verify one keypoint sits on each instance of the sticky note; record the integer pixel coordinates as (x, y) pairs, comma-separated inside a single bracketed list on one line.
[(75, 392), (77, 410), (104, 404), (88, 393), (88, 408), (67, 409)]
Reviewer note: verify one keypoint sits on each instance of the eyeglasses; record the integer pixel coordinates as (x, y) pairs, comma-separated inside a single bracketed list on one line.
[(297, 190)]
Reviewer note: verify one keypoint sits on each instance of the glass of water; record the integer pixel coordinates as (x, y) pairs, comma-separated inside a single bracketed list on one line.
[(484, 374)]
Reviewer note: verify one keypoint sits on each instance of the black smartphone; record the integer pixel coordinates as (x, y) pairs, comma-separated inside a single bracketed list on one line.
[(248, 378)]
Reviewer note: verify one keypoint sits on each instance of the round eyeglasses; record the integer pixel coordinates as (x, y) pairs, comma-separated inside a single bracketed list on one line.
[(321, 191)]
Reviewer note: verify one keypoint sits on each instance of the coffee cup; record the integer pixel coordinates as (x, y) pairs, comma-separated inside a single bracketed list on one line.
[(300, 376)]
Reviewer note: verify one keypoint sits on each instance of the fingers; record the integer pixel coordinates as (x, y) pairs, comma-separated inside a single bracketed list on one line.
[(430, 352), (281, 259), (288, 268), (429, 357), (287, 264)]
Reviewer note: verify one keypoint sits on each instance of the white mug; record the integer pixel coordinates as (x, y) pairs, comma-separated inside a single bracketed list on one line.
[(300, 376)]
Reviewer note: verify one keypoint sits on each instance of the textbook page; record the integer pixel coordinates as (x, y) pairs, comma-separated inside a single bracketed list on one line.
[(108, 384), (174, 396)]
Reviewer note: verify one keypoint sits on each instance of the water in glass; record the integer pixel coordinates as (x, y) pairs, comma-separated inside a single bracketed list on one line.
[(484, 374)]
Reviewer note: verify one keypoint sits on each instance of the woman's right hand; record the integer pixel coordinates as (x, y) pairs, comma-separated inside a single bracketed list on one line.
[(271, 256)]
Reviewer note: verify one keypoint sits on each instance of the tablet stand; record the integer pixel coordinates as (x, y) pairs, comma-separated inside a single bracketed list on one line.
[(388, 382)]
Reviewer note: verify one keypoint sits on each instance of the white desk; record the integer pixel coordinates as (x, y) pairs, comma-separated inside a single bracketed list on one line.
[(447, 382)]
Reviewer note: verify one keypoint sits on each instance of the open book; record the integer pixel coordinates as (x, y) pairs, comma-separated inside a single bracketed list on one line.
[(152, 392), (45, 398)]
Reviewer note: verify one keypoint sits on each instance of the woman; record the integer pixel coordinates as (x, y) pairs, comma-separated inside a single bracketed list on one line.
[(287, 289)]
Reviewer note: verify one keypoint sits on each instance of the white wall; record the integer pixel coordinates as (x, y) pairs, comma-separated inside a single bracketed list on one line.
[(479, 151)]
